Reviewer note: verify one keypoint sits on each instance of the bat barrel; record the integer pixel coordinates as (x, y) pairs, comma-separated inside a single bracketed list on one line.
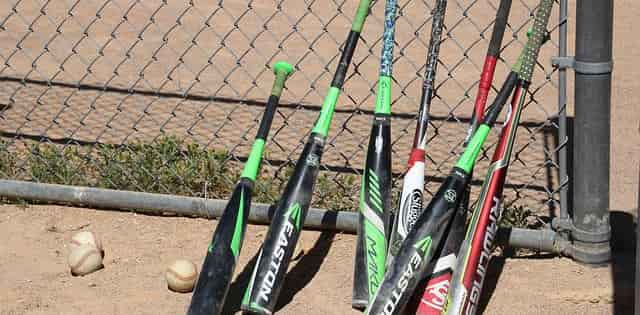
[(274, 258), (222, 255), (418, 249), (375, 204)]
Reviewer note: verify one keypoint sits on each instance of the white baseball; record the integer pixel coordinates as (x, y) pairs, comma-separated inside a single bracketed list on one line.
[(86, 237), (84, 260), (181, 276)]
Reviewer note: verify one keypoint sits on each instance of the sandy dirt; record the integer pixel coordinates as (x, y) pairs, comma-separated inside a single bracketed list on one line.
[(36, 280)]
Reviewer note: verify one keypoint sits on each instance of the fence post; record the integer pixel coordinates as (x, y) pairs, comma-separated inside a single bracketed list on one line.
[(593, 66)]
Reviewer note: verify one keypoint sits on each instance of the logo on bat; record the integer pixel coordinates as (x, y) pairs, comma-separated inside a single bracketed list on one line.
[(313, 160), (437, 292), (450, 195), (293, 223), (410, 212)]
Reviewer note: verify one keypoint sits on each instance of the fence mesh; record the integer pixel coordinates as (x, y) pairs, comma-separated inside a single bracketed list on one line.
[(165, 96)]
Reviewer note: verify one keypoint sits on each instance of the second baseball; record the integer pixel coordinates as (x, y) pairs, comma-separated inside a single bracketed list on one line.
[(181, 276), (84, 260), (85, 237)]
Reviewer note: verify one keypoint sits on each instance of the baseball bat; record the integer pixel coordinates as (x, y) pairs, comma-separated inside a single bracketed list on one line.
[(375, 186), (411, 199), (268, 276), (475, 251), (213, 283), (417, 250), (433, 290)]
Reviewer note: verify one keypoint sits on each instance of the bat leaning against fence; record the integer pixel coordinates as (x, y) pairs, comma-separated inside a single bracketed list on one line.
[(291, 210), (222, 255), (470, 269), (431, 294), (421, 244), (410, 201), (375, 190)]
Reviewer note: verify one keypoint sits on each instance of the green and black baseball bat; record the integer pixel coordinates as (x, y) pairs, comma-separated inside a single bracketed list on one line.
[(375, 190), (291, 210), (222, 255)]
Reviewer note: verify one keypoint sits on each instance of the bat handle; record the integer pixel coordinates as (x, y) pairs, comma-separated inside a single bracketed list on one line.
[(282, 71)]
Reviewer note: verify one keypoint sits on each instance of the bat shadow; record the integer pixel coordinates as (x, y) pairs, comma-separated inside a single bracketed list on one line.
[(305, 269), (236, 290), (494, 270), (297, 278)]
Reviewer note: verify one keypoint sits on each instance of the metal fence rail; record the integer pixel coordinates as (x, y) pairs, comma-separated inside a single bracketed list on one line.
[(162, 96)]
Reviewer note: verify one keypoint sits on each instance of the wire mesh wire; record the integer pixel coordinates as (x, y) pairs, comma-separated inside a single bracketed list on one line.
[(165, 96)]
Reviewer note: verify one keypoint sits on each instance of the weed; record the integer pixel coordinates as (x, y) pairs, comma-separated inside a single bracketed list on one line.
[(167, 165), (517, 217)]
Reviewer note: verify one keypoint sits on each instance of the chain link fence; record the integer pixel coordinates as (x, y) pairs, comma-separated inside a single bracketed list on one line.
[(165, 96)]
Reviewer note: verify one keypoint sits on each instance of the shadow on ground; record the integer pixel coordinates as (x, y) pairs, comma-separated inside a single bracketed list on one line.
[(623, 265), (623, 262), (297, 278), (236, 291), (305, 269)]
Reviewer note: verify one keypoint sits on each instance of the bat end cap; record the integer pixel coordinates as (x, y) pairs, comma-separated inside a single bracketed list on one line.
[(282, 66), (359, 304)]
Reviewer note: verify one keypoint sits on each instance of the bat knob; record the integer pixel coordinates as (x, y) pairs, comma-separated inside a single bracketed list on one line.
[(282, 67)]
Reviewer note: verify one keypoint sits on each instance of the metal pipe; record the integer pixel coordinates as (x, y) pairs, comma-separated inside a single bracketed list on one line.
[(591, 233), (563, 140), (545, 240), (160, 204)]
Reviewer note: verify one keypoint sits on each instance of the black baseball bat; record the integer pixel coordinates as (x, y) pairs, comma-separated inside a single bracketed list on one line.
[(268, 276), (222, 255)]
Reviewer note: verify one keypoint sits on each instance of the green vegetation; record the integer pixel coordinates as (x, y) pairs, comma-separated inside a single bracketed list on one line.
[(172, 166), (167, 165), (516, 217)]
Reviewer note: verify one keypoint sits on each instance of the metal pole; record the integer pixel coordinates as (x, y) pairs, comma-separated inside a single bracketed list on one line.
[(562, 113), (593, 65), (160, 204), (545, 240)]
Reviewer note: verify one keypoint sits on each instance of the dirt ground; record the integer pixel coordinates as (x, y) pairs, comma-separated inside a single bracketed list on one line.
[(36, 280)]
